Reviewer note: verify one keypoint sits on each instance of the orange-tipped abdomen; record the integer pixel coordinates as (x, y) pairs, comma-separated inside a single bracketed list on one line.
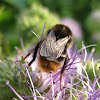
[(47, 66)]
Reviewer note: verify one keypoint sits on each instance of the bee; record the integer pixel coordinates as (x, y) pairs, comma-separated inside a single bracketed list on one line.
[(52, 50)]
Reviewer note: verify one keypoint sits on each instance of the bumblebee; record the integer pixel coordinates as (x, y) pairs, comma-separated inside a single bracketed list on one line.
[(52, 50)]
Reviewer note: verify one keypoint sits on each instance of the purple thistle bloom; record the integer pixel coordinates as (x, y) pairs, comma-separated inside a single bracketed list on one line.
[(75, 81)]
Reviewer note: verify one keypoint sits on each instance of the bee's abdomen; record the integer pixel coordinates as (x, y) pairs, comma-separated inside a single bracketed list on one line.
[(47, 66)]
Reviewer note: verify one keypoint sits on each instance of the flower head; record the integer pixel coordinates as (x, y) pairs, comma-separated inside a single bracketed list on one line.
[(76, 83)]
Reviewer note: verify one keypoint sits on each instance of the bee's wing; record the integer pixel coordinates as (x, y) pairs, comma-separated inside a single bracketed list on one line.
[(60, 46), (52, 49), (46, 48)]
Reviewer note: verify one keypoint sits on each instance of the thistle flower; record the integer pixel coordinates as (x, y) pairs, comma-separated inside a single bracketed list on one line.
[(76, 83)]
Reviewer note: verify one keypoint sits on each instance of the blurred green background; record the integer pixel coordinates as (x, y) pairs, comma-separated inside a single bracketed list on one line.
[(19, 17)]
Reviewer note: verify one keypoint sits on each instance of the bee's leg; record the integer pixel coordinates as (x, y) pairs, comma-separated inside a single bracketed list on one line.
[(34, 54), (63, 69), (31, 62)]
